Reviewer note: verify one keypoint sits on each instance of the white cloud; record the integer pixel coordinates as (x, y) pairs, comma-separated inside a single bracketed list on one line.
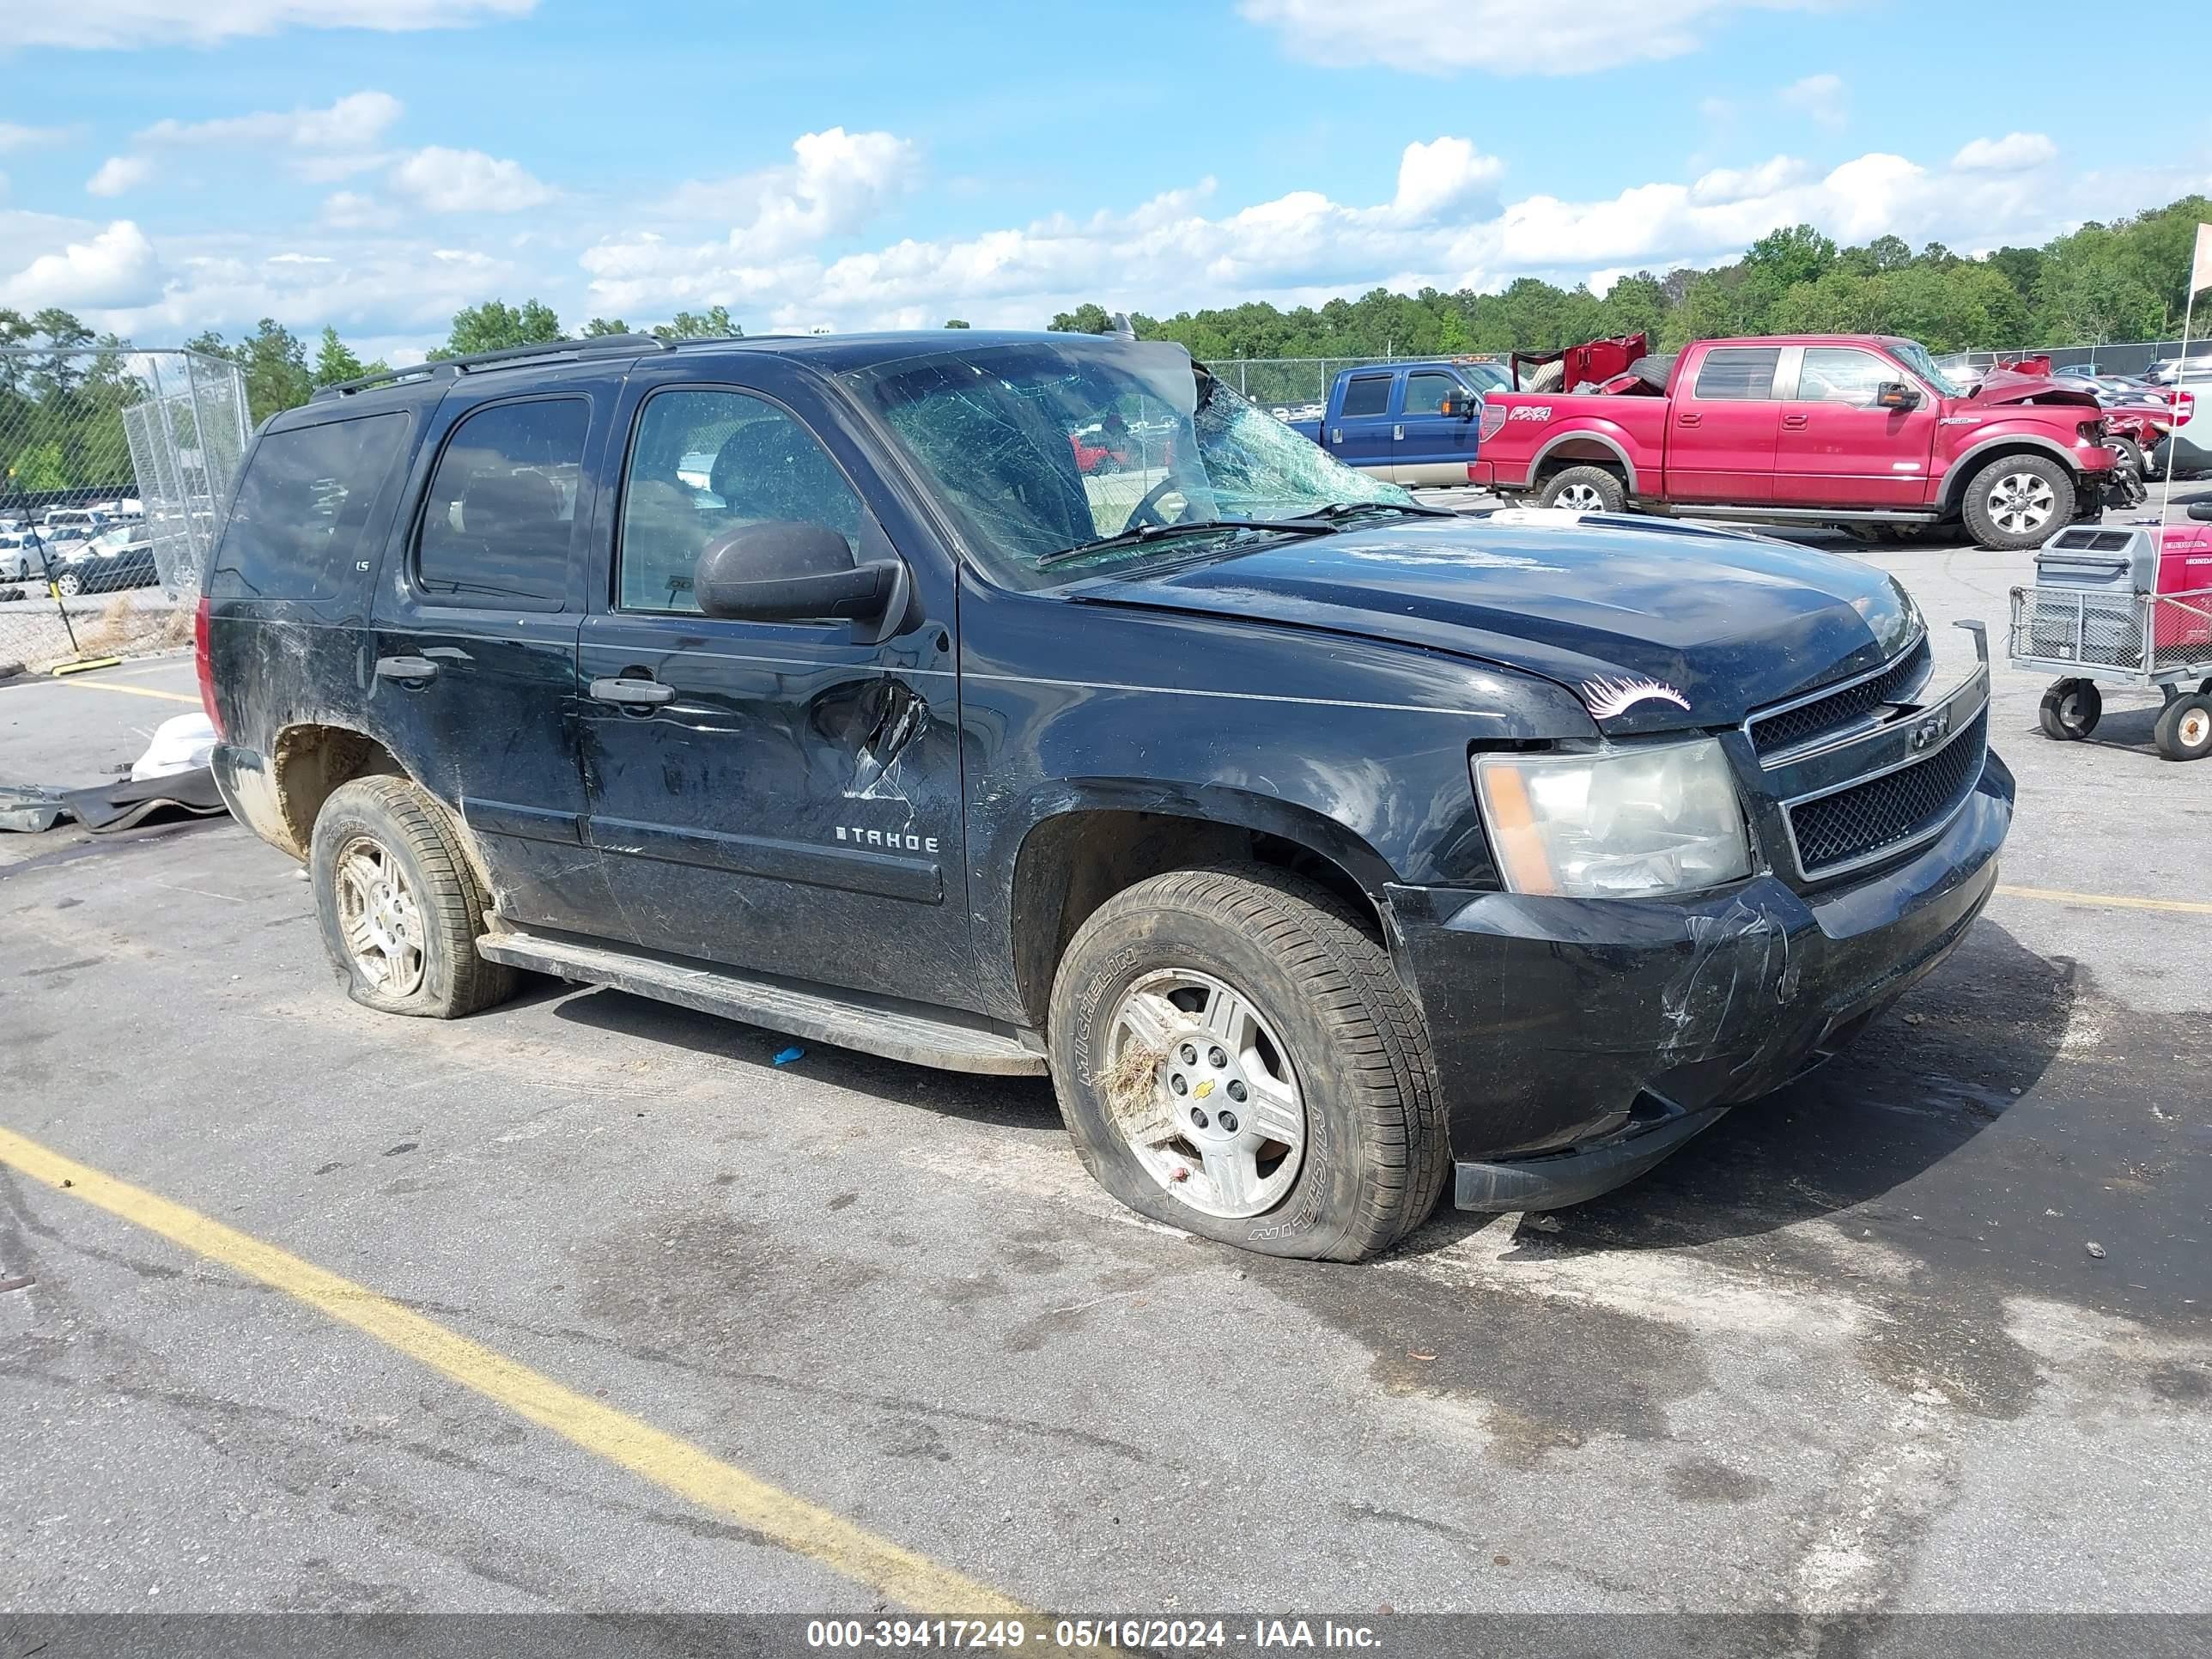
[(1435, 179), (129, 24), (2014, 153), (1503, 37), (836, 183), (117, 174), (1725, 185), (14, 136), (352, 122), (346, 210), (115, 267), (1820, 97), (467, 181)]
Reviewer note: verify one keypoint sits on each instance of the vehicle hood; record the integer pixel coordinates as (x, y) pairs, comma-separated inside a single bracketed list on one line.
[(1654, 627), (2002, 386)]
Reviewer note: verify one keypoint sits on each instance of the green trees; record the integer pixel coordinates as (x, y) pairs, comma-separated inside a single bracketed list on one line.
[(495, 324), (2118, 282), (714, 326)]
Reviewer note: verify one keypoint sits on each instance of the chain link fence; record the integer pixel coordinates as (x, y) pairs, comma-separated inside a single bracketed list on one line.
[(113, 467), (2120, 357)]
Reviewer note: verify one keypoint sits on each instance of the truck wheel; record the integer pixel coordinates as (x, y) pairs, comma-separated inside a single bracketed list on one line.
[(2184, 731), (2017, 500), (1235, 1056), (1584, 490), (2070, 709), (400, 904)]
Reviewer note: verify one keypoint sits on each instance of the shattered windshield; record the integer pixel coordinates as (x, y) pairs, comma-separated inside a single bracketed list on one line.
[(1043, 448), (1914, 356)]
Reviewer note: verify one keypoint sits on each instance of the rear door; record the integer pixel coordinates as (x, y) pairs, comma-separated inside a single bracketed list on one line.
[(779, 796), (1723, 423), (1838, 446), (472, 672), (1429, 447), (1359, 427)]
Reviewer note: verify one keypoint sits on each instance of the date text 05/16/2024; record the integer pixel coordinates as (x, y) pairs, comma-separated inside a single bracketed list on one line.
[(1087, 1633)]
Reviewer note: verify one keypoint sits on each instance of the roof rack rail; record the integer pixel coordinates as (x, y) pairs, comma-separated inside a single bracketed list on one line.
[(598, 345)]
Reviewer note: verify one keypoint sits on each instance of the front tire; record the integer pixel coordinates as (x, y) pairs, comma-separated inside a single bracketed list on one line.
[(400, 904), (1584, 490), (1235, 1055), (2018, 502)]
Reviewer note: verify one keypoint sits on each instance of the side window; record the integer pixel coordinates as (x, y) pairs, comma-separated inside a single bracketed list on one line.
[(1425, 394), (497, 527), (297, 524), (1367, 395), (1743, 374), (707, 463), (1837, 374)]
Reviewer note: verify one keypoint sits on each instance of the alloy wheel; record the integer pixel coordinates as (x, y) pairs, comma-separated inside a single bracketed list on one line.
[(2022, 503), (1220, 1122), (380, 918)]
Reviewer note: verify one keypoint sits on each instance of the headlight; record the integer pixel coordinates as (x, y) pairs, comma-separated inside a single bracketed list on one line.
[(1630, 824)]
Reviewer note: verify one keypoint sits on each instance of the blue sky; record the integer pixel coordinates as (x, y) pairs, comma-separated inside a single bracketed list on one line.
[(170, 166)]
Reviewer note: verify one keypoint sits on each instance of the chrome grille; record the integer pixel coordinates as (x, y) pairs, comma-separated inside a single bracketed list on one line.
[(1858, 824), (1825, 715)]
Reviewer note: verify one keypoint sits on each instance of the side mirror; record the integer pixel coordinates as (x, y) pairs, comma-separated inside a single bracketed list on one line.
[(1895, 395), (1460, 405), (784, 572)]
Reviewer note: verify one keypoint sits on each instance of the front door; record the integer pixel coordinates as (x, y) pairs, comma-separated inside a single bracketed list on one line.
[(1838, 446), (781, 797), (471, 675), (1359, 429), (1430, 446), (1724, 424)]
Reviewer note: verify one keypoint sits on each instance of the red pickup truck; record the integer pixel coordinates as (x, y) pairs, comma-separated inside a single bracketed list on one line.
[(1855, 430)]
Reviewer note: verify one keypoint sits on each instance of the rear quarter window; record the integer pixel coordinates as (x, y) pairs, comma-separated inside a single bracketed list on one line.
[(309, 498), (1744, 374)]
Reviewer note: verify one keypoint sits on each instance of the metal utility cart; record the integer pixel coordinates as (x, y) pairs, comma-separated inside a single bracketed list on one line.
[(2122, 605)]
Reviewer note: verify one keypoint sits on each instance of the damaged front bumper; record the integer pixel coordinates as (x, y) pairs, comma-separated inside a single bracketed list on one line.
[(1580, 1041)]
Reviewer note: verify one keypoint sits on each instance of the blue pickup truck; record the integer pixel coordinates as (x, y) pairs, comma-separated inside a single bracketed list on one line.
[(1413, 422)]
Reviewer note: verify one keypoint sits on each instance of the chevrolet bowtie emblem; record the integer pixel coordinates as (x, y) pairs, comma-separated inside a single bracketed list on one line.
[(1204, 1089)]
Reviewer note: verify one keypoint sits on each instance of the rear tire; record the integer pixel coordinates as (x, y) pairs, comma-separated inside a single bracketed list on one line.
[(2018, 502), (1584, 490), (2184, 731), (1331, 1047), (2070, 710), (400, 904)]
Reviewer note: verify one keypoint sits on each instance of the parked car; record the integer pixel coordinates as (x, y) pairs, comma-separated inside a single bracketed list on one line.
[(117, 559), (1326, 849), (1410, 422), (2186, 449), (1851, 429), (23, 557), (2166, 370), (83, 520)]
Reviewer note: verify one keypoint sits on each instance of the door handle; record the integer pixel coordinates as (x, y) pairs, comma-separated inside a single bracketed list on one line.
[(632, 693), (1793, 422), (1398, 432), (1688, 420), (407, 671)]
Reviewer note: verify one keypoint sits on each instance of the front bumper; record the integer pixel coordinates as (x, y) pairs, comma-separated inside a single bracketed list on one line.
[(1579, 1041)]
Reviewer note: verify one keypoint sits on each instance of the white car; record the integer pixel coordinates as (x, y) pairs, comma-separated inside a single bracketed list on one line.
[(20, 560), (81, 519)]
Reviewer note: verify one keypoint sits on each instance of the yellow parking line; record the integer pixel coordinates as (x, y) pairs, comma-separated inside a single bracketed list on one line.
[(135, 690), (2111, 901), (676, 1465)]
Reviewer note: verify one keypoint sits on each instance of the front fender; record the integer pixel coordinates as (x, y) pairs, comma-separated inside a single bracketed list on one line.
[(1994, 436)]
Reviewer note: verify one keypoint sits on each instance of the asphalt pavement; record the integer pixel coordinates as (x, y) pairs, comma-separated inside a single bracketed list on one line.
[(1926, 1332)]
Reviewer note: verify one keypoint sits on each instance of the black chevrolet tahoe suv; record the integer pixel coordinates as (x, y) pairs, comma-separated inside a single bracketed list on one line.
[(1034, 704)]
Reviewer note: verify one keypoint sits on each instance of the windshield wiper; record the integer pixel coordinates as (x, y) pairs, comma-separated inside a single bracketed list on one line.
[(1345, 509), (1154, 533)]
